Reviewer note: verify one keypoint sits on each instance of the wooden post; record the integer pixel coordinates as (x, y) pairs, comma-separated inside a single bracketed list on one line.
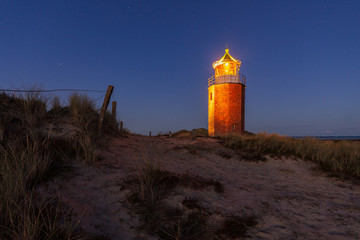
[(113, 110), (150, 134), (104, 106), (121, 126)]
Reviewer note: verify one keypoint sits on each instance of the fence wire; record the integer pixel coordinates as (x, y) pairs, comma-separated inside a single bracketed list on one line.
[(93, 94), (51, 90)]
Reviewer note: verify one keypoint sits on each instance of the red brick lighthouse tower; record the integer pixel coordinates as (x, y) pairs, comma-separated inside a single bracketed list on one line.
[(226, 98)]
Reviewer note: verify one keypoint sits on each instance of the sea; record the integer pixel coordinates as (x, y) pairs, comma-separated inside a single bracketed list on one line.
[(331, 137)]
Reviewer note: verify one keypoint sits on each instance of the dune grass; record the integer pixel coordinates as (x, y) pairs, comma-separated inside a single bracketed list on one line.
[(24, 214), (27, 154), (341, 157), (85, 116)]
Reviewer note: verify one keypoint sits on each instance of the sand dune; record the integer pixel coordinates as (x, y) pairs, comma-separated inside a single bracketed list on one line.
[(290, 198)]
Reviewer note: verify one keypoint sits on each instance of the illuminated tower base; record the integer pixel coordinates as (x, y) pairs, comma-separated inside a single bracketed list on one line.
[(226, 98)]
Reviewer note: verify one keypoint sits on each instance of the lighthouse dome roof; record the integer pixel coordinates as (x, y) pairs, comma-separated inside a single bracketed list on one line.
[(226, 58)]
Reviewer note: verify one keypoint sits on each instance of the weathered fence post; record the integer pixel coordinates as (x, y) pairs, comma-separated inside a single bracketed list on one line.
[(104, 106), (113, 110), (150, 134)]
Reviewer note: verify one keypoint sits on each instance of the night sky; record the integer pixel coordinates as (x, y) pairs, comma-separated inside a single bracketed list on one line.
[(301, 58)]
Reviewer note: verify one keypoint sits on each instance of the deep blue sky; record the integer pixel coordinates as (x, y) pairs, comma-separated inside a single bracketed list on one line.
[(301, 58)]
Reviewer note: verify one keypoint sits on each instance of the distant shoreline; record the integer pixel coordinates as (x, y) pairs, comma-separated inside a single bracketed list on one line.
[(329, 137)]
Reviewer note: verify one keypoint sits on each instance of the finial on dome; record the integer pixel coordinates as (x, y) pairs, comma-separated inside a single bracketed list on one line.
[(226, 58)]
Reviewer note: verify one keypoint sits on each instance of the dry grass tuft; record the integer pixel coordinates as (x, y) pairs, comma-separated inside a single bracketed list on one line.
[(341, 156), (154, 183), (55, 103), (85, 117), (150, 186), (148, 191), (82, 109), (33, 218), (22, 214), (34, 110)]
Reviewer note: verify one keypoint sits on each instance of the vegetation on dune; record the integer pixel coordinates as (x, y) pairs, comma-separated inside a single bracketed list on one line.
[(28, 152), (150, 189), (85, 117), (341, 157)]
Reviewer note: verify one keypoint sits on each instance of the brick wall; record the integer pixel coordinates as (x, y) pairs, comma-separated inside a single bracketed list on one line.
[(226, 109), (211, 119)]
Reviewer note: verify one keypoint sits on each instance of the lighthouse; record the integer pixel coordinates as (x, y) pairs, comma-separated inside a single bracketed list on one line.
[(226, 98)]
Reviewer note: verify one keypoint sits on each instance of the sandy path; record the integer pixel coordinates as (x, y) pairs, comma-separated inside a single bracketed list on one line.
[(291, 199)]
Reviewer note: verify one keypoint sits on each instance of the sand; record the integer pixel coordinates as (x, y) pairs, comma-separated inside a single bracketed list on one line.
[(290, 198)]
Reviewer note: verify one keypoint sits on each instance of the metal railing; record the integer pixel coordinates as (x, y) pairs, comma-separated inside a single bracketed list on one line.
[(238, 78)]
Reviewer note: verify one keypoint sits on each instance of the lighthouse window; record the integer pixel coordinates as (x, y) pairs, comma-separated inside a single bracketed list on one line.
[(210, 96)]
